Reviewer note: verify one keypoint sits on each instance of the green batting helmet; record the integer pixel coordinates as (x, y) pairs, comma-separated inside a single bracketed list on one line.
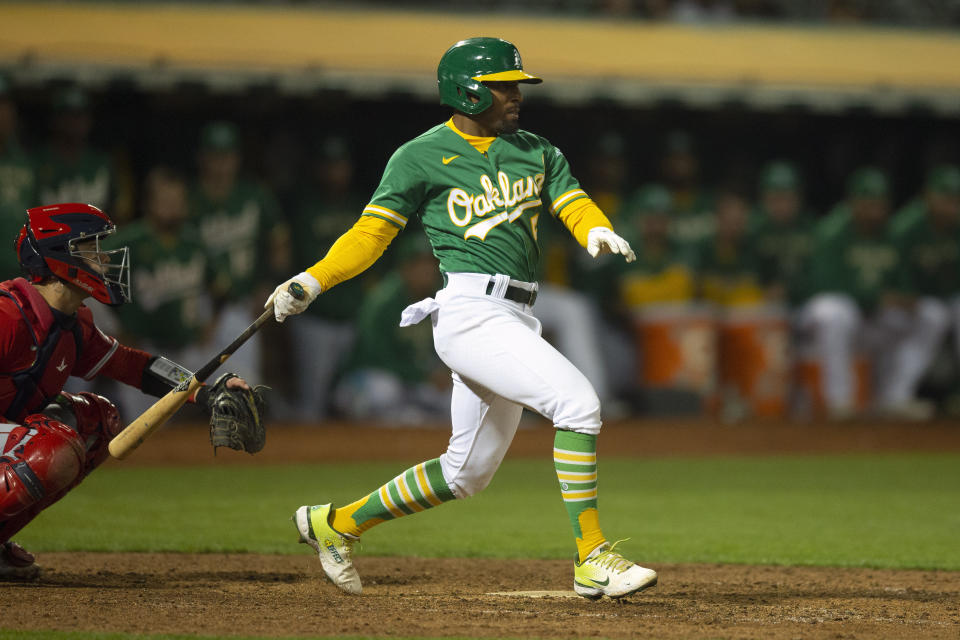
[(469, 63), (868, 182), (650, 199), (944, 179), (779, 175)]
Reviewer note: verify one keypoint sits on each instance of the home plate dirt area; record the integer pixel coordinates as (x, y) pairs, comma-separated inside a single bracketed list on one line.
[(284, 596), (288, 596)]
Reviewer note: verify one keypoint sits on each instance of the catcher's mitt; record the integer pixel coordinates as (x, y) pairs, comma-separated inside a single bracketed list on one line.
[(236, 416)]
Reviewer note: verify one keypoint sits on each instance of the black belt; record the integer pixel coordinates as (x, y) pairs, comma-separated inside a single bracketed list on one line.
[(517, 294)]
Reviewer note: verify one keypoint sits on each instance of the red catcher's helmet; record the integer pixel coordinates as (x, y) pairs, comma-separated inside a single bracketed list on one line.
[(47, 246)]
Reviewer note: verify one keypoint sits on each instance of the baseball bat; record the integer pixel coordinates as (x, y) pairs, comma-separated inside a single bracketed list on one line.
[(137, 431)]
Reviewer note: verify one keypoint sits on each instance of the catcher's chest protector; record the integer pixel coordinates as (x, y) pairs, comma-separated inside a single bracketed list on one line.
[(41, 363)]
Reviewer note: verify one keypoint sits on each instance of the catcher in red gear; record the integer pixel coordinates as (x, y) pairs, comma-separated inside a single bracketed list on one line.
[(50, 439)]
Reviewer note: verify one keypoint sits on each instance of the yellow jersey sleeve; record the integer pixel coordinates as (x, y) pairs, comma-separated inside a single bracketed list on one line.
[(355, 251), (580, 216)]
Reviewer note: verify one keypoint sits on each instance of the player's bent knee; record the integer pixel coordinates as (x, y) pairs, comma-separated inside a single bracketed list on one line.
[(466, 485), (47, 460), (468, 479), (590, 430), (580, 413)]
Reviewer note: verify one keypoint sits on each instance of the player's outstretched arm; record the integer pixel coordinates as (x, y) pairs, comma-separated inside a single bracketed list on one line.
[(352, 253)]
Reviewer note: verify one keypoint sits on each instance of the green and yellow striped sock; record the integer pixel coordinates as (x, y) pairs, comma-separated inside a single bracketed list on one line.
[(575, 458), (416, 489)]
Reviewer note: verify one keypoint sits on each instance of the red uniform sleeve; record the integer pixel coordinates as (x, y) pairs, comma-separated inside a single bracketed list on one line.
[(103, 355), (10, 335)]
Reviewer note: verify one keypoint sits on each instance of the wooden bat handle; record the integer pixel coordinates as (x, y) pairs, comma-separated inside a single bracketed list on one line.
[(137, 431)]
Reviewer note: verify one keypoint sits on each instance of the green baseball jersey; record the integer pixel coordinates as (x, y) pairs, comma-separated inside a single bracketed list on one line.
[(237, 232), (728, 274), (834, 221), (87, 178), (845, 260), (909, 215), (931, 256), (480, 211), (783, 252), (662, 274), (382, 344), (316, 224), (692, 219), (169, 279), (17, 194)]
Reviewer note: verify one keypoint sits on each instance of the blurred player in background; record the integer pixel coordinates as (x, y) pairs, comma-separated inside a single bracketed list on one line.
[(17, 180), (662, 282), (239, 223), (172, 282), (327, 206), (858, 298), (663, 272), (727, 271), (782, 233), (50, 440), (692, 203), (481, 187), (70, 169), (927, 234), (608, 171), (392, 373)]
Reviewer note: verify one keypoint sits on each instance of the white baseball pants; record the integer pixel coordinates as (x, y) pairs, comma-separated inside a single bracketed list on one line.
[(900, 344), (912, 356), (500, 365)]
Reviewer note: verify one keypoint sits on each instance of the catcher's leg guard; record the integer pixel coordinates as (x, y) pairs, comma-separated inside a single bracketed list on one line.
[(97, 421), (40, 461)]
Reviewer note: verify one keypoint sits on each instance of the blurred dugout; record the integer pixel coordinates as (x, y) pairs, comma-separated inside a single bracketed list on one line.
[(778, 315)]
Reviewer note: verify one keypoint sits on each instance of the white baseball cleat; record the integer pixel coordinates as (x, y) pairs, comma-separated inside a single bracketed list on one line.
[(607, 573), (334, 549)]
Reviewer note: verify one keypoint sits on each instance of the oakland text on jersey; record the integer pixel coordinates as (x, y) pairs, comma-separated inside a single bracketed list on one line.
[(167, 281), (523, 194), (873, 262)]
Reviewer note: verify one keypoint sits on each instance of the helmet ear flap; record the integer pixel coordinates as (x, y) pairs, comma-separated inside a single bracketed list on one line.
[(472, 88), (31, 260)]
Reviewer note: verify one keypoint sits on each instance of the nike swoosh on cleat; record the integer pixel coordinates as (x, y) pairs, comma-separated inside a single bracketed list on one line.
[(597, 582), (447, 160)]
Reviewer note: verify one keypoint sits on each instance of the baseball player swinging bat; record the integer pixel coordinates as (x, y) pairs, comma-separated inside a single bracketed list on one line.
[(137, 431)]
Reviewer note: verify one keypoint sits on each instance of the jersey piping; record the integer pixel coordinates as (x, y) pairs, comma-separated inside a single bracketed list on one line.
[(383, 213)]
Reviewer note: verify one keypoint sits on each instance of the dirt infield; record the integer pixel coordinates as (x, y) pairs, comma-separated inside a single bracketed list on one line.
[(272, 596), (285, 595)]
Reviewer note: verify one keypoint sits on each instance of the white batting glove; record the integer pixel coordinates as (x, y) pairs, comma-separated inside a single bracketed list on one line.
[(601, 240), (284, 304)]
